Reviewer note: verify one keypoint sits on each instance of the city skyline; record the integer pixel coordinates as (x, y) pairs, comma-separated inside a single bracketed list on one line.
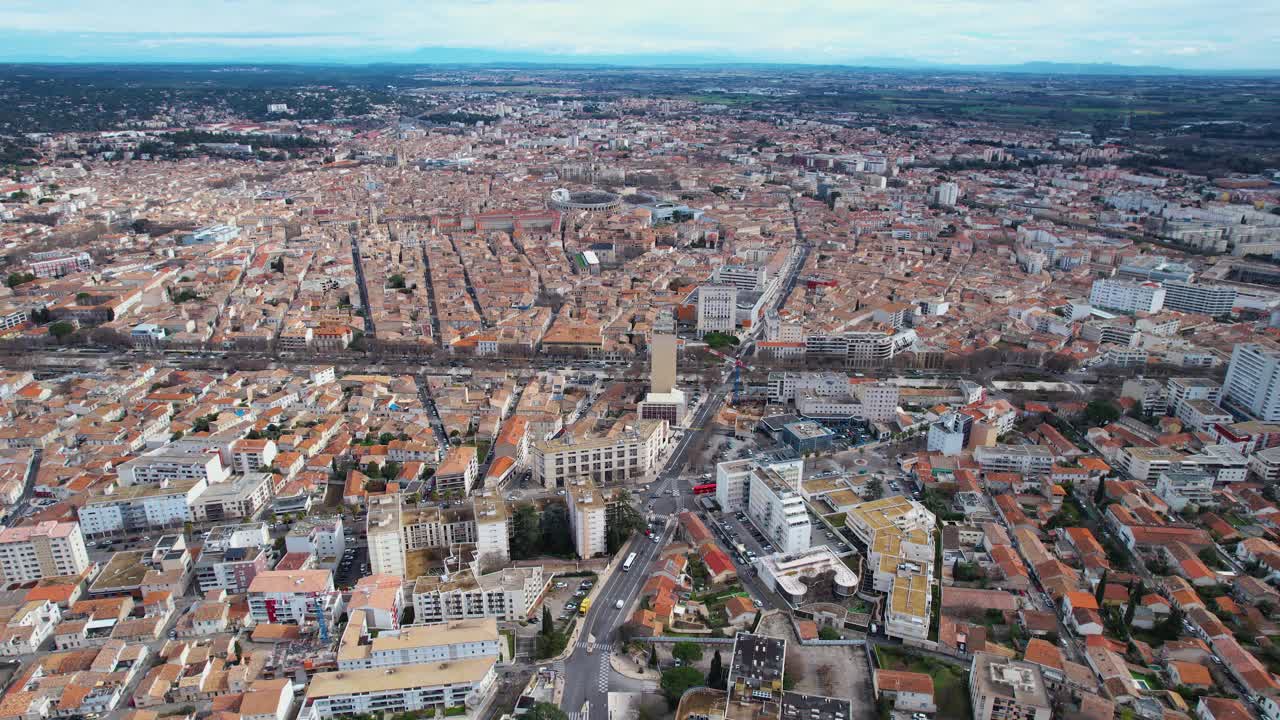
[(1179, 35)]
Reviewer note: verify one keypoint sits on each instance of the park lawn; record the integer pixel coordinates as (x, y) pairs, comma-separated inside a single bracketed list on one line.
[(950, 683), (836, 519)]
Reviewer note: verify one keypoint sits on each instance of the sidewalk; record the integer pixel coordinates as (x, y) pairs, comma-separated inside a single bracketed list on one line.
[(624, 666)]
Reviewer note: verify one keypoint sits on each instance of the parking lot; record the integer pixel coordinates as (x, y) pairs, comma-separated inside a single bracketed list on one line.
[(353, 566), (565, 594)]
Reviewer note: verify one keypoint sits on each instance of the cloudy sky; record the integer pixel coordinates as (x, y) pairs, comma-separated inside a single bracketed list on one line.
[(1181, 33)]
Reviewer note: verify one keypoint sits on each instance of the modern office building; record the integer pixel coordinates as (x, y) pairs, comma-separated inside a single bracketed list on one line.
[(46, 549), (1001, 689), (1253, 382), (896, 535), (1127, 296), (733, 477), (814, 575), (627, 453), (778, 511), (717, 309), (1189, 297)]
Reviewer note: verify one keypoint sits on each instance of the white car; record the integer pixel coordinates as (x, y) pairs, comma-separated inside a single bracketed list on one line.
[(618, 604)]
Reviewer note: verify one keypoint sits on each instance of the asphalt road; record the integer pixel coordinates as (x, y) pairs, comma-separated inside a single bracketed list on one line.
[(588, 675)]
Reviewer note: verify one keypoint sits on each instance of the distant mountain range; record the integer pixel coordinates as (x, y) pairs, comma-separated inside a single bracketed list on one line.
[(60, 47)]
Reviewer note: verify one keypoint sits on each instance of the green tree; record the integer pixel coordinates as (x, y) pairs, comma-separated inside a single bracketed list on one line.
[(1100, 495), (526, 534), (396, 281), (875, 489), (653, 657), (688, 652), (18, 278), (715, 676), (829, 633), (555, 538), (548, 626), (61, 329), (676, 681), (545, 711), (1100, 412), (1101, 591)]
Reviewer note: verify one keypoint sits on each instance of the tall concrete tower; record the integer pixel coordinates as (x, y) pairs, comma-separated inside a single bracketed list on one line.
[(662, 364)]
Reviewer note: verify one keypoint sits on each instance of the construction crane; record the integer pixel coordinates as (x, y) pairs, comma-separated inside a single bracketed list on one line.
[(738, 366)]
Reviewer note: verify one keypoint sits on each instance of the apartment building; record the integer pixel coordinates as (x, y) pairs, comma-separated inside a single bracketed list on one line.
[(624, 454), (321, 536), (1181, 389), (27, 626), (415, 644), (733, 477), (32, 552), (428, 688), (457, 473), (294, 597), (1180, 488), (861, 348), (879, 401), (1200, 415), (1025, 459), (383, 532), (506, 594), (1127, 296), (1265, 464), (1145, 463), (399, 535), (1189, 297), (896, 535), (947, 435), (241, 497), (717, 309), (1002, 689), (588, 517), (141, 507), (170, 463), (778, 511), (232, 556), (249, 456), (492, 534), (1253, 382)]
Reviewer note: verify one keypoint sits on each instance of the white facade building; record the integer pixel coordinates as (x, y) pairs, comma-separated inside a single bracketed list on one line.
[(428, 688), (414, 644), (1188, 297), (47, 549), (778, 511), (717, 309), (141, 507), (1126, 296), (1253, 381)]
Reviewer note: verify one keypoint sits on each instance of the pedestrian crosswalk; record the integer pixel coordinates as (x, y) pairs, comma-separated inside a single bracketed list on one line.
[(603, 675), (599, 647)]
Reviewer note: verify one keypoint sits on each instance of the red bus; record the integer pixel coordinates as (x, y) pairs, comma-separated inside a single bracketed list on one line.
[(704, 489)]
